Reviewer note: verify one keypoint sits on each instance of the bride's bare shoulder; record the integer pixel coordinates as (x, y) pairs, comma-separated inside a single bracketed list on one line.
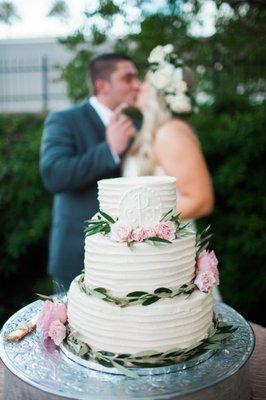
[(175, 130)]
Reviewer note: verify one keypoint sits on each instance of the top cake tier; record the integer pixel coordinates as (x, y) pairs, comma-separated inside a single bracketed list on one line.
[(139, 201)]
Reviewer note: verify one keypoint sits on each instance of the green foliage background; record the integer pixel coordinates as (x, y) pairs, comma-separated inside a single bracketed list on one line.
[(231, 128)]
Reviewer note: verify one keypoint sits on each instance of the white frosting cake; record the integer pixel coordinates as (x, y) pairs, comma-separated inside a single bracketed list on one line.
[(169, 323), (114, 266)]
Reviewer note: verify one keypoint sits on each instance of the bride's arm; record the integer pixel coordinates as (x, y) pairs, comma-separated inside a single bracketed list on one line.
[(178, 151)]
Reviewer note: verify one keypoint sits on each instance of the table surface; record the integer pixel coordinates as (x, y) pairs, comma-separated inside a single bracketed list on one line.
[(257, 366)]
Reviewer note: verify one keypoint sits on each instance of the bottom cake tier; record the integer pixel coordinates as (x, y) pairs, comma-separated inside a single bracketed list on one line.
[(169, 323)]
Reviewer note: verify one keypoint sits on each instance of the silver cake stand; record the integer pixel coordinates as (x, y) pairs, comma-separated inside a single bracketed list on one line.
[(37, 370)]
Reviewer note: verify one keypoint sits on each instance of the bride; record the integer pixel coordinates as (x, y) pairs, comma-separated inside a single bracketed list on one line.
[(166, 144)]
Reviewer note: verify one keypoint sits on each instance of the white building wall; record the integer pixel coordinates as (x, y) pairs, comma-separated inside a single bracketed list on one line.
[(23, 76)]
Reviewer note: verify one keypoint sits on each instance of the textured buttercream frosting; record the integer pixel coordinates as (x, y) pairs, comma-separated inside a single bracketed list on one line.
[(121, 196), (166, 324), (121, 270)]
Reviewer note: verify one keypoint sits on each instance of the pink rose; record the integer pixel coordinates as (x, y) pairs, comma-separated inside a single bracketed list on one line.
[(120, 232), (49, 313), (138, 235), (149, 232), (166, 230), (205, 280), (208, 262), (57, 332)]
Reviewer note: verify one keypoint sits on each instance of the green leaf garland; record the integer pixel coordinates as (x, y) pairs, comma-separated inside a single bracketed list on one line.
[(150, 358), (136, 297)]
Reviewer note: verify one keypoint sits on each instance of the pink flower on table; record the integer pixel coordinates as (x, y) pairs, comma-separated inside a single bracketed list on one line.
[(166, 230), (57, 332), (208, 262), (50, 312), (205, 280), (120, 232)]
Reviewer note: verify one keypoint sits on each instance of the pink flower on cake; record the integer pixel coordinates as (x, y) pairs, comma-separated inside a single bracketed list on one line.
[(208, 262), (166, 230), (50, 312), (57, 332), (149, 232), (208, 274), (138, 235), (205, 280), (120, 232)]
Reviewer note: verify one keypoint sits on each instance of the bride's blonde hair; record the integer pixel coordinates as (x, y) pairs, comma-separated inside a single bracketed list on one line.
[(155, 114)]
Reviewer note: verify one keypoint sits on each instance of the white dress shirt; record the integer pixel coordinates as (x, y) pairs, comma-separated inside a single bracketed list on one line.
[(105, 114)]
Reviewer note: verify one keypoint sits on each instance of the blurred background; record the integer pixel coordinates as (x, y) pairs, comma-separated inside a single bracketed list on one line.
[(45, 47)]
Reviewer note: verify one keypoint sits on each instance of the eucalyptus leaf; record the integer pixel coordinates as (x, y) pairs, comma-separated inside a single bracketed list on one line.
[(107, 217), (159, 240), (106, 353), (44, 297), (147, 353), (125, 371), (166, 214), (219, 336), (98, 294), (100, 290), (95, 222), (192, 347), (171, 351), (136, 294), (105, 363), (123, 356), (212, 332), (162, 290), (150, 300)]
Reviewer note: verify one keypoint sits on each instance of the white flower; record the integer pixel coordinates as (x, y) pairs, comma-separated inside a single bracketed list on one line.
[(168, 48), (162, 78), (179, 103), (178, 74), (178, 87), (157, 55)]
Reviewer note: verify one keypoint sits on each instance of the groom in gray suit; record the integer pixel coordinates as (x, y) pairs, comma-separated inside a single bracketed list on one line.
[(81, 145)]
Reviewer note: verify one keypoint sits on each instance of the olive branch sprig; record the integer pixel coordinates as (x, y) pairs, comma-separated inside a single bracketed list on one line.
[(102, 224), (202, 240), (136, 297), (219, 332)]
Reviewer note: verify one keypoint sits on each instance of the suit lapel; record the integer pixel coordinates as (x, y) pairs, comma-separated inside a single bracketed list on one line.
[(94, 119)]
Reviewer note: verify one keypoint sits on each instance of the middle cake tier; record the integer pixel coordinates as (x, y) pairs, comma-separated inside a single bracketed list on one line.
[(144, 267)]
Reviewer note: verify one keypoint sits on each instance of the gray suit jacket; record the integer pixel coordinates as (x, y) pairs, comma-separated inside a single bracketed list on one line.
[(74, 156)]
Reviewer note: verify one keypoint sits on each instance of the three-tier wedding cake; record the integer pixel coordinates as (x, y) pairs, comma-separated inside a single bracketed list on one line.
[(146, 286)]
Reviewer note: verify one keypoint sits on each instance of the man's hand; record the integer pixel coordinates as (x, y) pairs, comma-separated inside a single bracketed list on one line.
[(120, 130)]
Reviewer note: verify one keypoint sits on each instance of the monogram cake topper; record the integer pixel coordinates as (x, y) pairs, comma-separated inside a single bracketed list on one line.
[(140, 207)]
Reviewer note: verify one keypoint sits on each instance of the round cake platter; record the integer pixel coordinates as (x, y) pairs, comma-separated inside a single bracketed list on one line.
[(40, 367)]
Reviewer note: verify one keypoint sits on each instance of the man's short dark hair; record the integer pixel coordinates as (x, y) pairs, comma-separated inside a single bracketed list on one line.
[(101, 67)]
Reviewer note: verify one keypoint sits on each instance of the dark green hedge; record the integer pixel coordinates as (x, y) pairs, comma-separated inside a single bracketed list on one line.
[(25, 209), (233, 140)]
